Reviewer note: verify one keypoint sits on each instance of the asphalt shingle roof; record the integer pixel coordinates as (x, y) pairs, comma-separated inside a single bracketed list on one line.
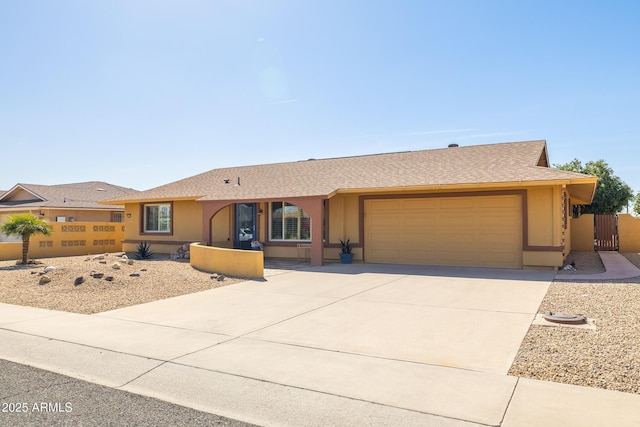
[(493, 163), (83, 195)]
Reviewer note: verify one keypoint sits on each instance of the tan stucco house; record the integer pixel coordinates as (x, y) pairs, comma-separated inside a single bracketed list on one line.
[(498, 205), (65, 202)]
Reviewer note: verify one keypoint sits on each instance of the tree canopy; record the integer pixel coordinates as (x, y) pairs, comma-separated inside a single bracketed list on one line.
[(636, 206), (612, 193), (25, 225)]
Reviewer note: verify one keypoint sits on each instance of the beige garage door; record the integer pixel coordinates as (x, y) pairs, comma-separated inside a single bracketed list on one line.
[(469, 231)]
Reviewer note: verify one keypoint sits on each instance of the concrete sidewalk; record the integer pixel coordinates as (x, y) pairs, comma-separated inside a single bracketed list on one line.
[(616, 266), (336, 345)]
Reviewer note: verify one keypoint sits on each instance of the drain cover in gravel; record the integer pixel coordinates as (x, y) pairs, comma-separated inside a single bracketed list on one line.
[(566, 318)]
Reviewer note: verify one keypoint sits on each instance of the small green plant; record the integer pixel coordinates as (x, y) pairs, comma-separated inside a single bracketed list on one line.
[(143, 250), (345, 246)]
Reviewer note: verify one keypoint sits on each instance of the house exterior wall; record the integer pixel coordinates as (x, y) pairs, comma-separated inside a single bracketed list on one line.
[(78, 215), (541, 217), (582, 233), (69, 239), (186, 227), (629, 232), (222, 228), (542, 223)]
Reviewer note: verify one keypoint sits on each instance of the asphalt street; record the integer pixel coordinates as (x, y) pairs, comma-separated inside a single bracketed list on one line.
[(34, 397)]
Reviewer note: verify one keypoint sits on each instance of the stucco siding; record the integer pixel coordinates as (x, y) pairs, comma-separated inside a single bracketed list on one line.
[(629, 232)]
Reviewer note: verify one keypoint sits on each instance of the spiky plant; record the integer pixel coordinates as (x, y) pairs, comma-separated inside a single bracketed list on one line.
[(143, 250)]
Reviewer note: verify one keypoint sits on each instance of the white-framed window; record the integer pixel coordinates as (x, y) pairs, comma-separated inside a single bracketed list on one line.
[(288, 222), (157, 218)]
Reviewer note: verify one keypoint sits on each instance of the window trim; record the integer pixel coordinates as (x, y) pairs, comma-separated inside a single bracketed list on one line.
[(143, 212), (270, 224)]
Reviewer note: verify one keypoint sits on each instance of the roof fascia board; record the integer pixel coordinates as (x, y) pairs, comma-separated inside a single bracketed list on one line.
[(121, 202), (22, 187), (492, 185)]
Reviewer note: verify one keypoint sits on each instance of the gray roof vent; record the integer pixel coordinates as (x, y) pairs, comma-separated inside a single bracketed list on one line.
[(453, 145)]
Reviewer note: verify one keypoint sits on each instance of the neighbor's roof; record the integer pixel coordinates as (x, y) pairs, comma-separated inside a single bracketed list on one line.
[(507, 163), (83, 195)]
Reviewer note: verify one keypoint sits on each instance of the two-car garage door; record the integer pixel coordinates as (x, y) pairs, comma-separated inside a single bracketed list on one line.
[(470, 231)]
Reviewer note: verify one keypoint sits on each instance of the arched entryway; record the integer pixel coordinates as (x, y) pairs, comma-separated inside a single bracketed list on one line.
[(313, 206)]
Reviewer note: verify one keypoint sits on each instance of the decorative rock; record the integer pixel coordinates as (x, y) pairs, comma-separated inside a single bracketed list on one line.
[(125, 256), (109, 278), (186, 255), (116, 266), (135, 274), (44, 280), (214, 276), (130, 262), (103, 262), (98, 275), (220, 277), (98, 257), (48, 269), (143, 269), (185, 247), (79, 280)]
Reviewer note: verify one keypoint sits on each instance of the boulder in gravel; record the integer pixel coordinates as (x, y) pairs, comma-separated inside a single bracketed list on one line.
[(130, 262), (97, 275), (143, 269), (116, 266), (103, 262), (49, 268), (44, 280), (220, 277), (79, 280), (109, 278), (135, 274), (124, 256), (214, 276)]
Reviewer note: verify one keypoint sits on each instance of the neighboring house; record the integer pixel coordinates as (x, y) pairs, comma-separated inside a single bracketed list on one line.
[(497, 205), (78, 202)]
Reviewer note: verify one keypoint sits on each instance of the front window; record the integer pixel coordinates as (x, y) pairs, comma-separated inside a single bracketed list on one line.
[(289, 222), (157, 218)]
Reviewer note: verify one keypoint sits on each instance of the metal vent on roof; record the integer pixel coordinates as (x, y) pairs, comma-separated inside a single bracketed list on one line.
[(453, 145)]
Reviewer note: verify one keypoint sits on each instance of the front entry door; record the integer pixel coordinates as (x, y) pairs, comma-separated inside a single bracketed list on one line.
[(245, 225)]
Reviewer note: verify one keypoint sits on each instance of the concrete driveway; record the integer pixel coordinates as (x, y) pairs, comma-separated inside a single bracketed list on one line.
[(334, 345)]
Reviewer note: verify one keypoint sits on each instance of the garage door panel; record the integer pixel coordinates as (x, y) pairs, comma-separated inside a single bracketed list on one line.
[(457, 203), (498, 202), (472, 231), (420, 204)]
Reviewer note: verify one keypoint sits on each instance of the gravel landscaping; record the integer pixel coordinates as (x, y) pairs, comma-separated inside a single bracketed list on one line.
[(132, 282), (607, 357)]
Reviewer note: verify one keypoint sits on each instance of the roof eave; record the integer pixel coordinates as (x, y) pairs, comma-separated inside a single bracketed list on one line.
[(122, 202)]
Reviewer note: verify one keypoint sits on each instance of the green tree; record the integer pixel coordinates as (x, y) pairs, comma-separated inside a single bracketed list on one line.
[(636, 206), (25, 225), (612, 194)]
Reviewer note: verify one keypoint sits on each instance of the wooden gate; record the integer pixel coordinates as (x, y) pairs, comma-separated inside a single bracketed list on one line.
[(606, 232)]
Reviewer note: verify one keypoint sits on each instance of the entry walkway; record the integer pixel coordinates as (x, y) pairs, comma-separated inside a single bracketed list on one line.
[(616, 266), (334, 345)]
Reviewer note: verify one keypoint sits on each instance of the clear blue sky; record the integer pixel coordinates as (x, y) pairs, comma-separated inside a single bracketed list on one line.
[(142, 93)]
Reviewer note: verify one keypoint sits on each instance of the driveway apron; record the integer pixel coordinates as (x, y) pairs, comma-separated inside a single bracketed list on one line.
[(424, 341)]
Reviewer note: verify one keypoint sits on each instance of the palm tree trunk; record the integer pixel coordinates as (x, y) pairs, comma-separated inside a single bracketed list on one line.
[(25, 249)]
